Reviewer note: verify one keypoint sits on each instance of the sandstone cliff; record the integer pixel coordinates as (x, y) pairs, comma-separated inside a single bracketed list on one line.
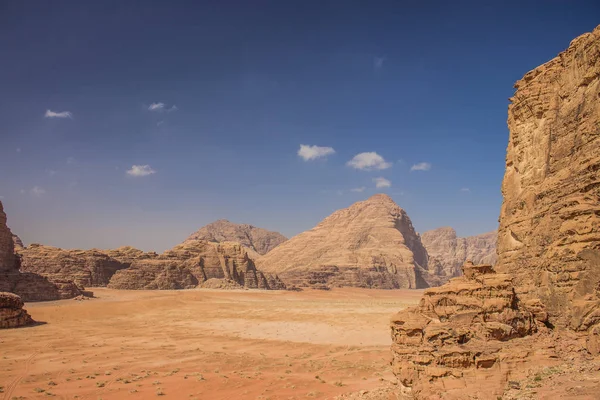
[(29, 286), (369, 244), (85, 267), (257, 239), (479, 335), (447, 252), (18, 243), (12, 314), (190, 264)]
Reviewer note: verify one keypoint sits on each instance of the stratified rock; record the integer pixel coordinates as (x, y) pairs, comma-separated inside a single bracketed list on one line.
[(29, 286), (227, 284), (12, 314), (127, 254), (447, 252), (460, 332), (257, 239), (18, 243), (549, 237), (86, 268), (191, 263), (370, 244)]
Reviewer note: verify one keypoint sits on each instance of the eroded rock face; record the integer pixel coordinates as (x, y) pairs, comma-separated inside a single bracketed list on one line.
[(256, 239), (447, 252), (29, 286), (190, 264), (369, 244), (18, 243), (12, 314), (86, 268), (549, 237)]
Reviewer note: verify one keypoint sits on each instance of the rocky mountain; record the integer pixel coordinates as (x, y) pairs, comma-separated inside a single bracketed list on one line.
[(447, 252), (29, 286), (257, 239), (190, 264), (369, 244), (86, 268), (542, 306)]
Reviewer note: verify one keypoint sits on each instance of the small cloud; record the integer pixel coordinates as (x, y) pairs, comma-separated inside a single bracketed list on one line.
[(22, 191), (424, 166), (378, 62), (313, 152), (381, 183), (140, 170), (368, 161), (51, 172), (62, 114), (465, 189), (71, 160), (358, 189), (159, 123), (173, 108), (156, 107), (37, 191), (339, 192), (18, 149)]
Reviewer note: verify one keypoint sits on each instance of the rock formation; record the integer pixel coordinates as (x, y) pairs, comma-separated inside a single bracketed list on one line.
[(369, 244), (18, 243), (190, 264), (86, 268), (12, 314), (478, 332), (29, 286), (447, 252), (257, 239)]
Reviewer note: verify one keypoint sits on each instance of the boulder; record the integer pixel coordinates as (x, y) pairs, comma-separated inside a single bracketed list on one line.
[(12, 314)]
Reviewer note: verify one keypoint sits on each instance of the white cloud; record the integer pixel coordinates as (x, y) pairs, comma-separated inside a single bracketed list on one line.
[(140, 170), (37, 191), (308, 152), (423, 166), (71, 160), (51, 172), (381, 183), (173, 108), (358, 189), (368, 161), (18, 149), (62, 114), (465, 189), (156, 107), (378, 62)]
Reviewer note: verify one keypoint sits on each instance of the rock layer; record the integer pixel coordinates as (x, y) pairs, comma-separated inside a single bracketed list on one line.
[(549, 237), (190, 264), (369, 244), (447, 252), (29, 286), (86, 268), (12, 314), (256, 239)]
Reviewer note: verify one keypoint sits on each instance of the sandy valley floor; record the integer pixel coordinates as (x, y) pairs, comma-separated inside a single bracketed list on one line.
[(202, 344)]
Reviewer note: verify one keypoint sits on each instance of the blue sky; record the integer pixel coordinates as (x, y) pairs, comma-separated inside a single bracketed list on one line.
[(211, 102)]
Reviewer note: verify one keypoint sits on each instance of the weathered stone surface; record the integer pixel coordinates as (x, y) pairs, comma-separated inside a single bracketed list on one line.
[(12, 314), (128, 254), (18, 243), (369, 244), (256, 239), (191, 263), (549, 237), (86, 268), (29, 286), (447, 252)]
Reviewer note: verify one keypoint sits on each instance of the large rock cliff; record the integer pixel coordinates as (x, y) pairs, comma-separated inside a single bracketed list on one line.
[(256, 239), (29, 286), (482, 334), (369, 244), (448, 252)]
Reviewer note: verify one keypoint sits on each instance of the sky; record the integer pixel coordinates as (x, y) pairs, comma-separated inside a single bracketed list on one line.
[(138, 122)]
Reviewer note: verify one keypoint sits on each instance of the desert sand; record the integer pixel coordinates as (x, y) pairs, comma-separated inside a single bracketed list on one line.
[(203, 344)]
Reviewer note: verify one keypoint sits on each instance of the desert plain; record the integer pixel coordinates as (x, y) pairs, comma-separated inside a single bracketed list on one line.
[(203, 344)]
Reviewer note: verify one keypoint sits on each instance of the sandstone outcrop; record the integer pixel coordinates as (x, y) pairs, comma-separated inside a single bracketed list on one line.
[(86, 268), (448, 252), (190, 264), (478, 334), (29, 286), (18, 243), (369, 244), (12, 314), (256, 239)]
